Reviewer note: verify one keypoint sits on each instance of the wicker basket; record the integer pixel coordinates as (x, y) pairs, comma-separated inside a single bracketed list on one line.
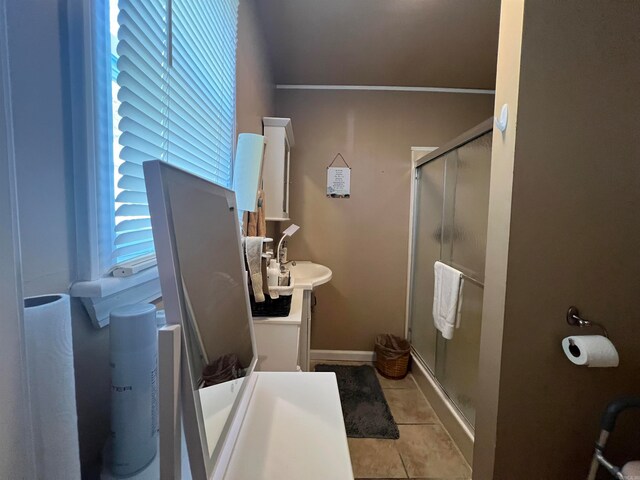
[(392, 356)]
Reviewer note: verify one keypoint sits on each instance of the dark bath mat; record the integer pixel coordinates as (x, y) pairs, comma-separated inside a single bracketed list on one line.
[(365, 410)]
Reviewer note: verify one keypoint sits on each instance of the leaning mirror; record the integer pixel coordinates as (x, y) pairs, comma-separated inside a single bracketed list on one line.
[(197, 240)]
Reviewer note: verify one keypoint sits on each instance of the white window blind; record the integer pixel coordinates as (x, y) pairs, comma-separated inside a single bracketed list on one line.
[(203, 73), (174, 100)]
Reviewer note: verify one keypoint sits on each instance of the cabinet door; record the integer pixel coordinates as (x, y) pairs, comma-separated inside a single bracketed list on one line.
[(278, 347), (276, 169), (285, 186)]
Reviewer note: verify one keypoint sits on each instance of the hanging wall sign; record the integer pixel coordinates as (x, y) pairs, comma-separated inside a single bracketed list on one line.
[(339, 180)]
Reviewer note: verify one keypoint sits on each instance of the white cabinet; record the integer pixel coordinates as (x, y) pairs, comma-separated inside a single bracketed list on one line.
[(275, 177), (292, 429), (277, 345), (278, 338)]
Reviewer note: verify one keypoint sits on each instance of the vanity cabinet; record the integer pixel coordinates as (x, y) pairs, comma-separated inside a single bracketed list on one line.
[(278, 134), (278, 338)]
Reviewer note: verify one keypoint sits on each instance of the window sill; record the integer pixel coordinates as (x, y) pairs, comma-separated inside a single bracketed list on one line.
[(103, 295)]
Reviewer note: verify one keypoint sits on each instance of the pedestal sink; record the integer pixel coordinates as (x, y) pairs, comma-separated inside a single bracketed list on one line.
[(309, 275)]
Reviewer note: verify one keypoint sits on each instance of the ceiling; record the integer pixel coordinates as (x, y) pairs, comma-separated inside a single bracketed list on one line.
[(426, 43)]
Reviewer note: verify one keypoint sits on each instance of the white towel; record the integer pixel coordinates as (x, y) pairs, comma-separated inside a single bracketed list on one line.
[(447, 298), (253, 252)]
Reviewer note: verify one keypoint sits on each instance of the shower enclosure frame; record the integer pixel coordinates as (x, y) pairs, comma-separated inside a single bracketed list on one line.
[(453, 419)]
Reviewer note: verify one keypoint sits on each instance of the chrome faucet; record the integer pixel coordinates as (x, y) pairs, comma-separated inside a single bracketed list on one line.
[(283, 269)]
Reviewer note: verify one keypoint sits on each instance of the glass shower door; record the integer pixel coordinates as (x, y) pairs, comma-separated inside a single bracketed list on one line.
[(429, 201), (450, 225), (465, 249)]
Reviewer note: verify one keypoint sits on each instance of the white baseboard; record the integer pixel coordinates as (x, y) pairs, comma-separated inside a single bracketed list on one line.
[(343, 355)]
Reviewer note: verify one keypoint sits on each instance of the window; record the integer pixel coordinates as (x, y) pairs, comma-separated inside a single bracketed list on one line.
[(160, 84), (173, 99)]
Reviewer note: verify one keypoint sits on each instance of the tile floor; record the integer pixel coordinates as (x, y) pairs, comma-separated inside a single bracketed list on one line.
[(424, 449)]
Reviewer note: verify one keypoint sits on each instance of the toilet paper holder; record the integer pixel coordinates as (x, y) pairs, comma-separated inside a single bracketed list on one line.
[(574, 319)]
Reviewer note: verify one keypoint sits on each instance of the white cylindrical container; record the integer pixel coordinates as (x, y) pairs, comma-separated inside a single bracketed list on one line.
[(283, 255), (52, 388), (273, 274), (133, 342)]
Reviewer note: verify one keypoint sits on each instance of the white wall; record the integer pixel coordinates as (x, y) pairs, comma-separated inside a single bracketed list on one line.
[(16, 448), (41, 114)]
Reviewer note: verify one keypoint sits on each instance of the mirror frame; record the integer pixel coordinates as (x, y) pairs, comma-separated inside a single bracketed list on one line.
[(155, 173)]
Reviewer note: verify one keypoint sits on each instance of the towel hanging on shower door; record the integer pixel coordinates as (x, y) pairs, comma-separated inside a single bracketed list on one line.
[(447, 298)]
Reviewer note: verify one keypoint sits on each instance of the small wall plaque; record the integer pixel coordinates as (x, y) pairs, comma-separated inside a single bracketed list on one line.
[(339, 180)]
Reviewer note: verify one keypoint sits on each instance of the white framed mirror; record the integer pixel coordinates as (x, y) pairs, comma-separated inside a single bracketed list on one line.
[(202, 275)]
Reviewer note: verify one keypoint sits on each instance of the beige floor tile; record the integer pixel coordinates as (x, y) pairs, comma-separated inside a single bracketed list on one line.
[(406, 382), (428, 452), (409, 406), (374, 458)]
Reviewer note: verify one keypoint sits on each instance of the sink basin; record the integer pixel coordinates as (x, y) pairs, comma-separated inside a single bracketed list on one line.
[(309, 275)]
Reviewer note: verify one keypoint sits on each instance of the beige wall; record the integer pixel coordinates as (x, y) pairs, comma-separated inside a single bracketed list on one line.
[(573, 239), (503, 146), (255, 89), (363, 239), (254, 81)]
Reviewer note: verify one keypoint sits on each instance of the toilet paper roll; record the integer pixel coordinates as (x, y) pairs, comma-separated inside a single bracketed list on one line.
[(590, 350), (49, 348)]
